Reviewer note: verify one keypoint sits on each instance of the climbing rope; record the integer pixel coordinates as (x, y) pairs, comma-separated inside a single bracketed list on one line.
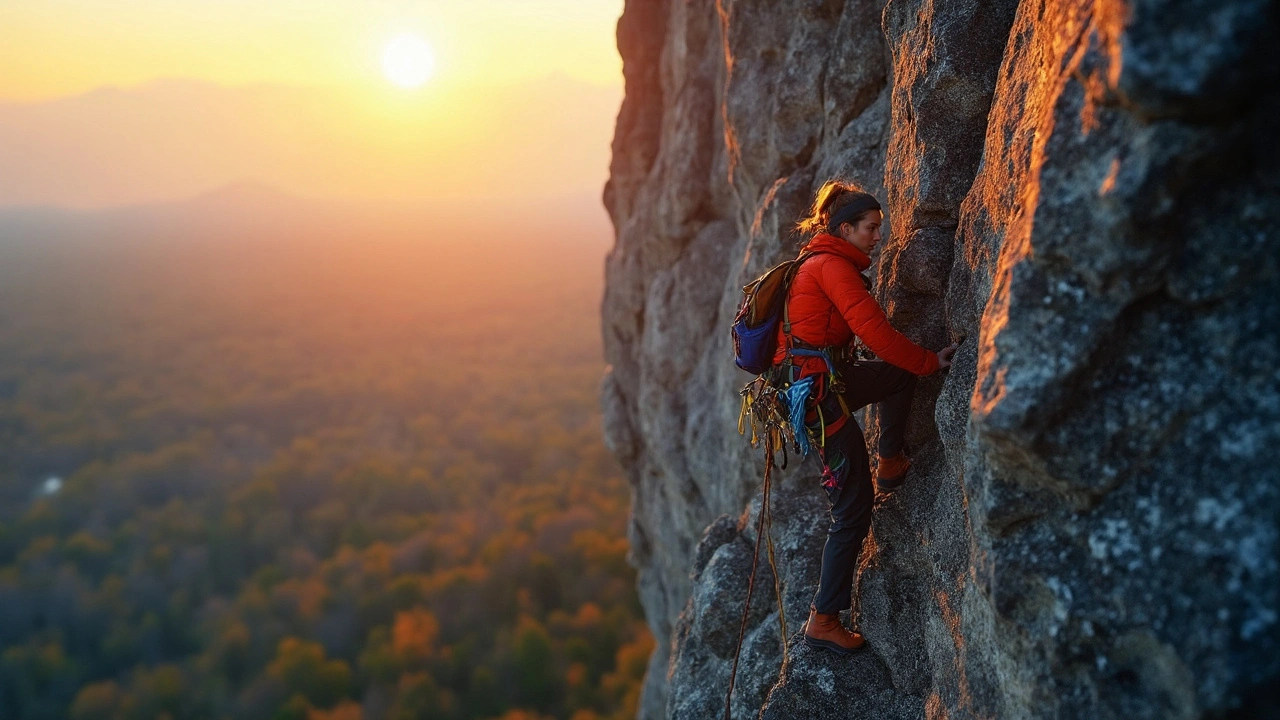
[(764, 528), (777, 579)]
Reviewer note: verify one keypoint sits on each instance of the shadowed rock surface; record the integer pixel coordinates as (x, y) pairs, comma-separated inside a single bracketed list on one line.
[(1088, 193)]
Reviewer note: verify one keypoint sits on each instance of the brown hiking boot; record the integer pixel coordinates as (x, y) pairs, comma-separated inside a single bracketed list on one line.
[(892, 472), (825, 631)]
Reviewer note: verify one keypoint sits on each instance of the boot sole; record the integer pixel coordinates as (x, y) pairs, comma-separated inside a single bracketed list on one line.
[(829, 645), (888, 485)]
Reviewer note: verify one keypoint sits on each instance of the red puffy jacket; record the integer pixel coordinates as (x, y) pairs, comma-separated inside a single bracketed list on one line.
[(829, 304)]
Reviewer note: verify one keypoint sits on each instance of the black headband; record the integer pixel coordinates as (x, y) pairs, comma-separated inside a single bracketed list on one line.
[(847, 214)]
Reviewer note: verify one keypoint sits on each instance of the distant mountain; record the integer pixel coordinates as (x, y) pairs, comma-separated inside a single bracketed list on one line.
[(245, 193), (179, 138)]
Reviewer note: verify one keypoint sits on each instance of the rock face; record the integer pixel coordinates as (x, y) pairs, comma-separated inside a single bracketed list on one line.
[(1087, 192)]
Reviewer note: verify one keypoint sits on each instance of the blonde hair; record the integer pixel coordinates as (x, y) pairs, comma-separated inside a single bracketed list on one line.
[(833, 195)]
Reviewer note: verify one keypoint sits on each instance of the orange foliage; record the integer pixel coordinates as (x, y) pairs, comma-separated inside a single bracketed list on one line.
[(414, 635), (344, 711)]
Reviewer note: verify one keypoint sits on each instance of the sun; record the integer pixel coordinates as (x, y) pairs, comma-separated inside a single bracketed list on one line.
[(408, 61)]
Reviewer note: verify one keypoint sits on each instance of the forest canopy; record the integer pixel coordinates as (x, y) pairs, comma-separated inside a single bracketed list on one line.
[(291, 461)]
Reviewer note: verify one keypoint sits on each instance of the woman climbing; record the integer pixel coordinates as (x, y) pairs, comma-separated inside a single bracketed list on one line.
[(828, 307)]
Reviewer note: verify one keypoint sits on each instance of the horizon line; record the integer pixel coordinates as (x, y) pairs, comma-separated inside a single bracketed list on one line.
[(268, 190), (347, 84)]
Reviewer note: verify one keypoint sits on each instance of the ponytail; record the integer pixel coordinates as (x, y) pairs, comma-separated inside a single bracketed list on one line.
[(833, 195)]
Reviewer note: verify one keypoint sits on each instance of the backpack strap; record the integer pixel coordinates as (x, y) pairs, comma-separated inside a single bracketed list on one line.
[(786, 299), (793, 346)]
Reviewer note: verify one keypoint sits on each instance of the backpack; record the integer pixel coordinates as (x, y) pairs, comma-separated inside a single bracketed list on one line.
[(755, 327)]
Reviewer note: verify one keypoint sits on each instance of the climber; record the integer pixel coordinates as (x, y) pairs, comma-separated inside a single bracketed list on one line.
[(829, 308)]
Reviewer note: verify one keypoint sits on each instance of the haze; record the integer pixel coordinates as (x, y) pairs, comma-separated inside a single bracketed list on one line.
[(134, 102)]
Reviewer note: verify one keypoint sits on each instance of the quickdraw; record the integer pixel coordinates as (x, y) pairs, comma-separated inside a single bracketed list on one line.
[(766, 411)]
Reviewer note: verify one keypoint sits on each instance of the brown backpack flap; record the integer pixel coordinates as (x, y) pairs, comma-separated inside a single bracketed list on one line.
[(767, 292)]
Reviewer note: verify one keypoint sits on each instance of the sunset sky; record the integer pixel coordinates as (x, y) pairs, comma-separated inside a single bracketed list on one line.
[(142, 100)]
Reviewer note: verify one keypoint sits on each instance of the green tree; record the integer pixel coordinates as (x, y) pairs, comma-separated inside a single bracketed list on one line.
[(537, 684), (98, 701), (304, 670), (419, 698)]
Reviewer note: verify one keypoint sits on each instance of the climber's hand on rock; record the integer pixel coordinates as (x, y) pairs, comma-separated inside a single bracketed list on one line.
[(944, 356)]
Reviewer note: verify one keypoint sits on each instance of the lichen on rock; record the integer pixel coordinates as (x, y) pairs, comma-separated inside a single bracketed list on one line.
[(1087, 193)]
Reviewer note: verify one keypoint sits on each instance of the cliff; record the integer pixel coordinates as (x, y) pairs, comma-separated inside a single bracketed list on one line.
[(1086, 191)]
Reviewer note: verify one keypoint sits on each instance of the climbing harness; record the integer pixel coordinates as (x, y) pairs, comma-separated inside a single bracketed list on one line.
[(775, 401)]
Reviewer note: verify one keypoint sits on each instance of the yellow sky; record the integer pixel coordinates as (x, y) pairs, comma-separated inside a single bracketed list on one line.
[(52, 48), (128, 101)]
